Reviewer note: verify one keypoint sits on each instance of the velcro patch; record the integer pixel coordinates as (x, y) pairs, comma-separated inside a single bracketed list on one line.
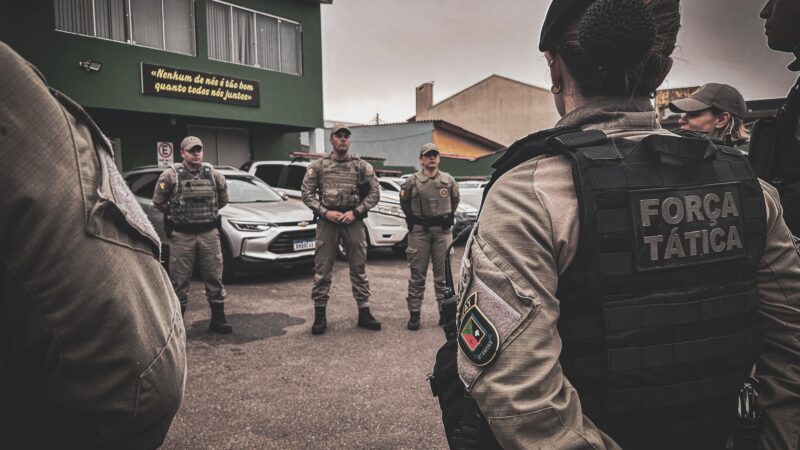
[(477, 336)]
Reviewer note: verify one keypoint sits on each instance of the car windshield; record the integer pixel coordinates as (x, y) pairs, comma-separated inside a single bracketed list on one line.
[(250, 190)]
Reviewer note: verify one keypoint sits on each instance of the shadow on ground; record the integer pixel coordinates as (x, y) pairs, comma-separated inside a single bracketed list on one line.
[(246, 328)]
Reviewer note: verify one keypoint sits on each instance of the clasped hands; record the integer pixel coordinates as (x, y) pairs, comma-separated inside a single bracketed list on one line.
[(340, 217)]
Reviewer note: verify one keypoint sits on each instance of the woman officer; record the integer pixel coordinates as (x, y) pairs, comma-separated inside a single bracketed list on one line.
[(621, 280)]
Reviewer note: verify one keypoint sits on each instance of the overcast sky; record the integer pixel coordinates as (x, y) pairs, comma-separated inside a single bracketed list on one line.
[(375, 52)]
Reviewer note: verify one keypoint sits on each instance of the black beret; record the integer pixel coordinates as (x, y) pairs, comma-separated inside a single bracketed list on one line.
[(560, 15)]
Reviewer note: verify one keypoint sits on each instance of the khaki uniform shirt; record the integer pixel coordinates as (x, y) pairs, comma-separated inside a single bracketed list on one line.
[(165, 188), (333, 184), (92, 344), (527, 236), (424, 196)]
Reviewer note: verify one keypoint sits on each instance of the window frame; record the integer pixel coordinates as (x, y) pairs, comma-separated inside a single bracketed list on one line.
[(129, 29), (255, 40)]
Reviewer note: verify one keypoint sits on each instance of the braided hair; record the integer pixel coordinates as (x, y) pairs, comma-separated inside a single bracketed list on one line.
[(619, 47)]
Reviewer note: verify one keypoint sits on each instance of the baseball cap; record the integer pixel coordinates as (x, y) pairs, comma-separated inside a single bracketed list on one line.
[(427, 148), (712, 95), (191, 141), (339, 127)]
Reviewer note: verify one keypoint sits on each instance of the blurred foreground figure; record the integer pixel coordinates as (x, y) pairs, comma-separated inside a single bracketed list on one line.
[(92, 338), (622, 281), (775, 145)]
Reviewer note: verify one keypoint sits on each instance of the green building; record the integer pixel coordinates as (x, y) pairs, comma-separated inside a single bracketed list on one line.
[(243, 75)]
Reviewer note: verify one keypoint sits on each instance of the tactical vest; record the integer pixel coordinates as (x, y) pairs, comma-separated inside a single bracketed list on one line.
[(432, 198), (339, 184), (194, 200), (658, 307)]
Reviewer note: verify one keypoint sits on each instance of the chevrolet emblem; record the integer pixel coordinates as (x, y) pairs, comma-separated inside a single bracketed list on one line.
[(302, 224)]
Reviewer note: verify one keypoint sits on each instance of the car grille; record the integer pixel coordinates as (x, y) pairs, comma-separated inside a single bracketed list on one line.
[(284, 243)]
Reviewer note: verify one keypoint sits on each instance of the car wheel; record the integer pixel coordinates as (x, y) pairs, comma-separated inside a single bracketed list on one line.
[(399, 249), (229, 274)]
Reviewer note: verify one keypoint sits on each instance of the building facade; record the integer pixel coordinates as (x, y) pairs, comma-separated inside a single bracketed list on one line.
[(497, 108), (399, 143), (243, 75)]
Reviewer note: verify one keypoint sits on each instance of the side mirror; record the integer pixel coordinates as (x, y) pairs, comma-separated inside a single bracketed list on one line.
[(283, 195)]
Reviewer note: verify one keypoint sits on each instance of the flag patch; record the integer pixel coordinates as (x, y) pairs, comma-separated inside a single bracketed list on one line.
[(477, 337)]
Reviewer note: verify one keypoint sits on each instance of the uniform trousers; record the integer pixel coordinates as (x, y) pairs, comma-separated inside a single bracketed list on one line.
[(425, 246), (205, 248), (354, 239)]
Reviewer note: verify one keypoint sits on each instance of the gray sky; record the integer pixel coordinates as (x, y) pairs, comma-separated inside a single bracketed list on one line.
[(375, 52)]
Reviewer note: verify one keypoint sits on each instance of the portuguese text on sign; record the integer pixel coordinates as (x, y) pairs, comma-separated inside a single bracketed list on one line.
[(165, 81)]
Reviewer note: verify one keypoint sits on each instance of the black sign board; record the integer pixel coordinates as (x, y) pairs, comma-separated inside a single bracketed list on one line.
[(165, 81)]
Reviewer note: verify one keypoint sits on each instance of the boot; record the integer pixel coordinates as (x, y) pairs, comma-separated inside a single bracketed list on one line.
[(365, 320), (218, 323), (413, 322), (320, 322)]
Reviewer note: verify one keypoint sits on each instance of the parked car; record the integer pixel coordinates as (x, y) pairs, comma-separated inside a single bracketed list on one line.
[(260, 227), (385, 223)]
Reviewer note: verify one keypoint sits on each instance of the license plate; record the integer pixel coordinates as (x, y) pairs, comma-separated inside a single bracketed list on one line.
[(304, 244)]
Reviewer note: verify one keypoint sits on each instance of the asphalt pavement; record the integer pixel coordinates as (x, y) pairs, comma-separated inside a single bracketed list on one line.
[(272, 385)]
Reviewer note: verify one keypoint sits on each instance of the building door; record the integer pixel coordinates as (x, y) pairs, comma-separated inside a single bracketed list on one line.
[(223, 146)]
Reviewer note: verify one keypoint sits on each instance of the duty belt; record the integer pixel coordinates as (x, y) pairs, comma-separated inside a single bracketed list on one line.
[(194, 227), (443, 221)]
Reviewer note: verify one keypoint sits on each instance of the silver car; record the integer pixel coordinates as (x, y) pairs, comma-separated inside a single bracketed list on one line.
[(261, 227)]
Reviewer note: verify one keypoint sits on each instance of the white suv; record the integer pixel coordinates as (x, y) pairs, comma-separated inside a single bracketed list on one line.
[(385, 223)]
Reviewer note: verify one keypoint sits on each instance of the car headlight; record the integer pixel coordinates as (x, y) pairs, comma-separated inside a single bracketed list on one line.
[(389, 210), (250, 226), (466, 214)]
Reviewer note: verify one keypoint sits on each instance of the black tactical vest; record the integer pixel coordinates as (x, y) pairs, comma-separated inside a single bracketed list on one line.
[(194, 200), (658, 307)]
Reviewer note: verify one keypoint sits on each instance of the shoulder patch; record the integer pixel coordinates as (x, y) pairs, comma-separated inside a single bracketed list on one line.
[(402, 192), (310, 171), (477, 336)]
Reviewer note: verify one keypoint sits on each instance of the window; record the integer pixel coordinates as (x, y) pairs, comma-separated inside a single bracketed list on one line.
[(143, 184), (270, 173), (244, 36), (294, 178), (162, 24)]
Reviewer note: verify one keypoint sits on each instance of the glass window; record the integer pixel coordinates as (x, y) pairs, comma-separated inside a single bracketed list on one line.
[(219, 31), (294, 178), (146, 20), (251, 38), (143, 184), (388, 186), (250, 190), (270, 173), (178, 18), (162, 24), (267, 39)]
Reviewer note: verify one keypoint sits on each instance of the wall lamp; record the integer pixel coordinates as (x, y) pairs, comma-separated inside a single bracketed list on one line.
[(90, 66)]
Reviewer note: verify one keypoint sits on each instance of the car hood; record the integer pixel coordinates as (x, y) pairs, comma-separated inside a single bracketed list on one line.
[(273, 212), (390, 197)]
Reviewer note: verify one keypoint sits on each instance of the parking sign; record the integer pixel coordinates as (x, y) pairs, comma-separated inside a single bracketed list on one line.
[(165, 153)]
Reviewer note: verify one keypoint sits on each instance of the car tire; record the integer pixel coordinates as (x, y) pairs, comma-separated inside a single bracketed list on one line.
[(399, 249)]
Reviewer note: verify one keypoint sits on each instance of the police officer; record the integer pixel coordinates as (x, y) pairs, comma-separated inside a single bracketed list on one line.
[(92, 346), (429, 199), (775, 145), (716, 110), (621, 280), (340, 188), (191, 194)]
